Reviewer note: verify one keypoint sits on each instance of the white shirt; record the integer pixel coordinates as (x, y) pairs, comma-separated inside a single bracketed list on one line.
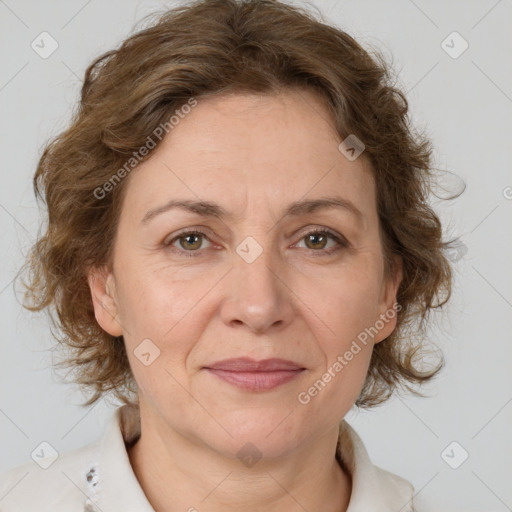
[(101, 474)]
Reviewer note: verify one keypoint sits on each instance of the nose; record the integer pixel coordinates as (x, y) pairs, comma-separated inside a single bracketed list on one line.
[(258, 296)]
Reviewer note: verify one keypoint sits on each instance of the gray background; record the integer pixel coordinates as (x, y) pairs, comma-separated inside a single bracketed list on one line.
[(465, 104)]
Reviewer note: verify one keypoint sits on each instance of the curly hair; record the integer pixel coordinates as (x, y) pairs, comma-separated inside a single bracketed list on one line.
[(215, 47)]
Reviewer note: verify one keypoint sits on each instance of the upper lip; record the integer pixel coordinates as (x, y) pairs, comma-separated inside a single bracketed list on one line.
[(245, 364)]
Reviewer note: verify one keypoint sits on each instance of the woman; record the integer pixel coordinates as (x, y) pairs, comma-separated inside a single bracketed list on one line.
[(239, 248)]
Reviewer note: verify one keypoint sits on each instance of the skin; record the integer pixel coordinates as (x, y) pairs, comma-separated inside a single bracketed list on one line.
[(253, 155)]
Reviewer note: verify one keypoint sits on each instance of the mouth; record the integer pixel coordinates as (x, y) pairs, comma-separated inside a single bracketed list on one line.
[(252, 375)]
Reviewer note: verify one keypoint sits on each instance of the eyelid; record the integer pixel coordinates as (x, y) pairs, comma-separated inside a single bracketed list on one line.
[(186, 231), (321, 229)]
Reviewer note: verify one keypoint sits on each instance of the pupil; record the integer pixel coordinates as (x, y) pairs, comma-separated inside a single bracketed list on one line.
[(188, 237), (313, 237)]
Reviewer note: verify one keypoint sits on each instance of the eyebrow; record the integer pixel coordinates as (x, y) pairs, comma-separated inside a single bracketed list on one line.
[(295, 209)]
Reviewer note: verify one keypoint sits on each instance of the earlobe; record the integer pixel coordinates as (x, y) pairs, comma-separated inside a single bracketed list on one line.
[(388, 305), (102, 287)]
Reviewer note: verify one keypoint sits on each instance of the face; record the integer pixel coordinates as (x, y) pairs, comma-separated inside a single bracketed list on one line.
[(246, 276)]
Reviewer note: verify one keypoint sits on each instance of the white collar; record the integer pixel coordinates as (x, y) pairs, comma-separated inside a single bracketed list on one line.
[(373, 488)]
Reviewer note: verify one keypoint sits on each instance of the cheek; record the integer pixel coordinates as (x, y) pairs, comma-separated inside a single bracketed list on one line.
[(156, 303), (172, 313), (162, 329), (350, 314), (348, 306)]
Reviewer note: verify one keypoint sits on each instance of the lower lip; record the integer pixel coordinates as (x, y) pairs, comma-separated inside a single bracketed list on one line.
[(257, 381)]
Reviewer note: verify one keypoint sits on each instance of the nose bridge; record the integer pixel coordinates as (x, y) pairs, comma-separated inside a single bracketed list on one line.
[(256, 267), (259, 298)]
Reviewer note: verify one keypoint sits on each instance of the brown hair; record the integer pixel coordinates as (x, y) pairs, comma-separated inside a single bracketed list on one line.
[(215, 47)]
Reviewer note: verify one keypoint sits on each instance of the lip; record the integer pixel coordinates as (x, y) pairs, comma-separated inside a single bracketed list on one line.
[(245, 364), (252, 375)]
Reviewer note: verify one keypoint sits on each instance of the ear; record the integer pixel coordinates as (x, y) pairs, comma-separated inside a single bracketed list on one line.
[(388, 310), (106, 310)]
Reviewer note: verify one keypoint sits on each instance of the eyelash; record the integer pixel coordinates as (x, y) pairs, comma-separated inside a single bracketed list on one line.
[(323, 252)]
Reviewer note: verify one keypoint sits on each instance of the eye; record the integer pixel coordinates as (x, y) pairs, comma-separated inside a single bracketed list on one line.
[(189, 242), (318, 239)]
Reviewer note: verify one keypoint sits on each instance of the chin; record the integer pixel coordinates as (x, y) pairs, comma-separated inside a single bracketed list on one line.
[(273, 433)]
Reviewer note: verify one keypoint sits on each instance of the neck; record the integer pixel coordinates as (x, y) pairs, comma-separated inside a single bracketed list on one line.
[(178, 474)]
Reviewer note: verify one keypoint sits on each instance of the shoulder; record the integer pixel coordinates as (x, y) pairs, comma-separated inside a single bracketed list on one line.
[(95, 477), (392, 485), (373, 488), (51, 484)]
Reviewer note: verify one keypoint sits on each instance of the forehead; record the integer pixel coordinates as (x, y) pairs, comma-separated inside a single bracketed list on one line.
[(239, 148)]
